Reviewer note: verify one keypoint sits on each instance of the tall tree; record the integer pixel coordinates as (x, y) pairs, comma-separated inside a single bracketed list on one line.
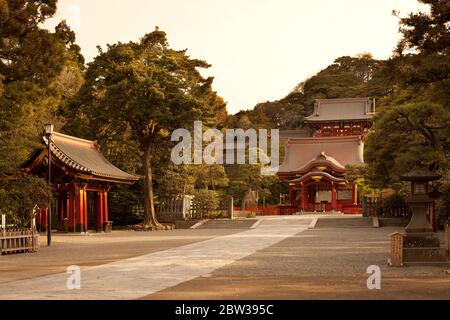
[(32, 88), (417, 110), (139, 92)]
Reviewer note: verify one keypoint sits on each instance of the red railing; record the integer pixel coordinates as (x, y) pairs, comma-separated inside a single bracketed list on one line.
[(276, 210)]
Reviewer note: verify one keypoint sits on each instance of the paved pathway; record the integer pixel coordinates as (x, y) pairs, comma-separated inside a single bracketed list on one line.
[(140, 276)]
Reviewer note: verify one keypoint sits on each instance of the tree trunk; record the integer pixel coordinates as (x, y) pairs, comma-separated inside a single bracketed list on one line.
[(150, 220)]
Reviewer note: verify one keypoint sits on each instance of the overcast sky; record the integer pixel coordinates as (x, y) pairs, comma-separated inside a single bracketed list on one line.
[(259, 49)]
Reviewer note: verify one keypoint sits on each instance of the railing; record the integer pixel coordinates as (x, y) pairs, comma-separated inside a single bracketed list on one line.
[(18, 240), (377, 208)]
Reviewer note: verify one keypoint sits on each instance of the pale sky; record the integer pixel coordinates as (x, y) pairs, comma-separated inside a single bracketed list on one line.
[(259, 49)]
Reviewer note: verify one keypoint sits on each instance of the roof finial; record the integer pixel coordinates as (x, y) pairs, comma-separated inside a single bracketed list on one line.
[(156, 28)]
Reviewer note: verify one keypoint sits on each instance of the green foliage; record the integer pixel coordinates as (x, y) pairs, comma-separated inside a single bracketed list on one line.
[(205, 202), (125, 204), (443, 207), (347, 77), (424, 133), (413, 125), (245, 177), (134, 95), (209, 176), (19, 198), (39, 71)]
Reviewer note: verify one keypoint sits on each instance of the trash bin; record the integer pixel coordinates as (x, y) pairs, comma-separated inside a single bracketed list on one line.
[(107, 227), (65, 225)]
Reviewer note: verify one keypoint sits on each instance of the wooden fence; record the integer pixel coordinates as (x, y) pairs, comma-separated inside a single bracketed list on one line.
[(18, 240), (375, 207)]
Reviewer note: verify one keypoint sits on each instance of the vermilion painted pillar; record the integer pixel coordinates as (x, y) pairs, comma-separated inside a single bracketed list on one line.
[(85, 222), (96, 209), (81, 213), (44, 218), (100, 212), (292, 196), (39, 219), (105, 206), (303, 198), (333, 197), (71, 213), (78, 208), (355, 194), (66, 206), (60, 206)]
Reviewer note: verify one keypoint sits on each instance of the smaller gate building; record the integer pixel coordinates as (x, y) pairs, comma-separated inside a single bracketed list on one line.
[(81, 177)]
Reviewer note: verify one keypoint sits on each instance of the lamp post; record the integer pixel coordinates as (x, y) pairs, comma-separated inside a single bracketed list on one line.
[(48, 131)]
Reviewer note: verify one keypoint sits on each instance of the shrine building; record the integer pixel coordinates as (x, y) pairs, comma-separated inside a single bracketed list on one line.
[(316, 159), (80, 178)]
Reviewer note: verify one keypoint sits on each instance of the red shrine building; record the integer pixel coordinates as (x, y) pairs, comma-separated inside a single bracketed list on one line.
[(81, 178), (316, 159)]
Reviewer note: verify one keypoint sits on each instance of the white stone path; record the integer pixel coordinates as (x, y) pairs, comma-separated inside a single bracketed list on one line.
[(140, 276)]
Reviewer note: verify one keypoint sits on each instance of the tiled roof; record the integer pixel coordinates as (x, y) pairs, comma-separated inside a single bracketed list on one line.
[(341, 109), (84, 156), (340, 151)]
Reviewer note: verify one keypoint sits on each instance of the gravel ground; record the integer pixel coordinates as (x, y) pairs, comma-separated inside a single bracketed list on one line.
[(96, 249), (324, 263)]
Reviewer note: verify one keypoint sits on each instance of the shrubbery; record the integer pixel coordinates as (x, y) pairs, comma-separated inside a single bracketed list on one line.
[(443, 207), (20, 196), (205, 202)]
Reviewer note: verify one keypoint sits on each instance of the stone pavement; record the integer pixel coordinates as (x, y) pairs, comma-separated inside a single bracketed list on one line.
[(143, 275), (328, 262)]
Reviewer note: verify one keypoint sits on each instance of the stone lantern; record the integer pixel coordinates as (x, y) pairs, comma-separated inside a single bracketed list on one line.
[(421, 244)]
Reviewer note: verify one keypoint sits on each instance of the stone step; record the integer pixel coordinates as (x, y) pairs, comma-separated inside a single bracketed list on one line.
[(344, 222), (228, 224)]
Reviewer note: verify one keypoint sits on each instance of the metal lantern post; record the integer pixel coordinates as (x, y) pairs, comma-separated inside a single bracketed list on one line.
[(48, 131)]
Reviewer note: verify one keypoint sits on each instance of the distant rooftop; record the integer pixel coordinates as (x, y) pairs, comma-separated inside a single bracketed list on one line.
[(342, 109)]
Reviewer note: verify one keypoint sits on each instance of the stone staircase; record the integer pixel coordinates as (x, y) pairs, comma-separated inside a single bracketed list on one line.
[(344, 222), (228, 224)]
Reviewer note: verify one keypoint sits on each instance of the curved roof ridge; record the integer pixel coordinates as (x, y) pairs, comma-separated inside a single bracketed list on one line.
[(62, 135), (319, 173), (85, 156), (322, 158)]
